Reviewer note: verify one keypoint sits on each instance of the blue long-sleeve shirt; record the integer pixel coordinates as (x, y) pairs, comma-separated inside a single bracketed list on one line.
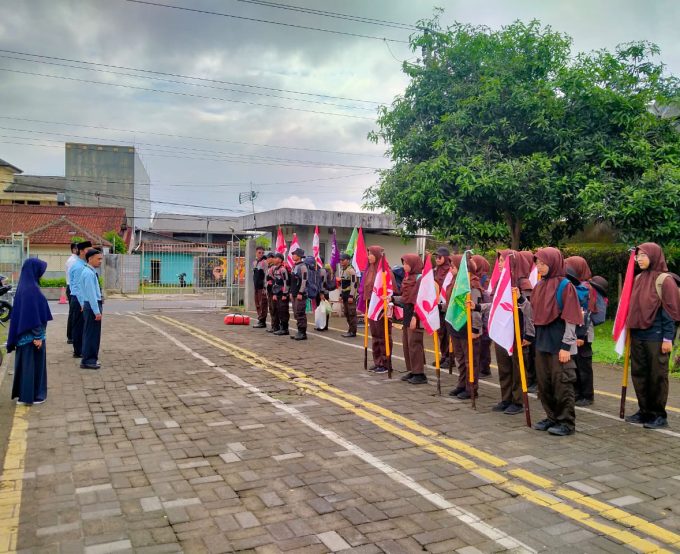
[(74, 273), (89, 289)]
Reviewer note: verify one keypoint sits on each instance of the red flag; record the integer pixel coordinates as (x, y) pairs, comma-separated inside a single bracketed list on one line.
[(315, 247), (620, 330), (293, 247), (360, 257), (495, 275), (427, 301), (280, 242), (376, 304)]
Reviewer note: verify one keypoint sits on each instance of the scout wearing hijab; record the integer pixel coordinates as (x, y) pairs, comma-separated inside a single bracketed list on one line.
[(483, 269), (91, 300), (459, 358), (442, 260), (269, 282), (298, 292), (348, 294), (69, 263), (412, 331), (280, 295), (259, 273), (74, 307), (654, 311), (526, 288), (324, 274), (555, 343), (27, 327), (375, 255), (508, 366), (464, 390), (585, 335)]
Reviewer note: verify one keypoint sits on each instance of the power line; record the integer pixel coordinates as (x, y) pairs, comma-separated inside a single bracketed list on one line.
[(174, 81), (253, 19), (170, 135), (177, 93)]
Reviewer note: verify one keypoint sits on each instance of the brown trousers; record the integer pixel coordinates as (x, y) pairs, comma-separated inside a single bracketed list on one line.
[(350, 311), (649, 371), (460, 348), (273, 313), (414, 350), (261, 305), (299, 307), (378, 340), (556, 388), (282, 313), (508, 374)]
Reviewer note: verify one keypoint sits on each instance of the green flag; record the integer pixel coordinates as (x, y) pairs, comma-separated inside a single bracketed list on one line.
[(456, 314), (352, 244)]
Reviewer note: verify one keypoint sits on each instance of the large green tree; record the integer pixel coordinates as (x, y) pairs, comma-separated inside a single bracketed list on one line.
[(505, 136)]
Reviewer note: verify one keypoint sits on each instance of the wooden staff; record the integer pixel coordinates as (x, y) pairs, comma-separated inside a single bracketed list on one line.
[(471, 365), (450, 356), (518, 344), (388, 354), (624, 380), (436, 363), (366, 334)]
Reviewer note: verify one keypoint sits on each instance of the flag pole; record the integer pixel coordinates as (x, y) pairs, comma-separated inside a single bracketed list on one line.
[(624, 380), (436, 363), (450, 356), (471, 368), (388, 354), (520, 354), (366, 334)]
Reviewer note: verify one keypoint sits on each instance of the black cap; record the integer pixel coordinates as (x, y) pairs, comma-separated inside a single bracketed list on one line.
[(84, 245), (442, 251), (92, 252), (279, 256), (298, 252), (600, 284), (345, 256), (74, 245), (269, 255)]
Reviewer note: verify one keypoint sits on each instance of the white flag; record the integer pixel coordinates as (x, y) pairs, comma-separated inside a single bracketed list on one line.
[(427, 301), (501, 320), (376, 304), (533, 276)]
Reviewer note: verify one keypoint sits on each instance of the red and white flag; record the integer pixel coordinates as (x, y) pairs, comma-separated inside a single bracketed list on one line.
[(445, 286), (495, 274), (427, 301), (280, 242), (376, 304), (360, 256), (294, 245), (620, 330), (533, 276), (501, 317), (315, 247)]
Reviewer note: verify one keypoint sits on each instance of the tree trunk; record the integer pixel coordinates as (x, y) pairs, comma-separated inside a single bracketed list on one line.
[(515, 227)]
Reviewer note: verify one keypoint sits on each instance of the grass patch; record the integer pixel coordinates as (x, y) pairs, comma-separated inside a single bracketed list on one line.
[(603, 347)]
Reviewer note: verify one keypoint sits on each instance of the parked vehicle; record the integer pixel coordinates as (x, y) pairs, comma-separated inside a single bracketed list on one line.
[(6, 300)]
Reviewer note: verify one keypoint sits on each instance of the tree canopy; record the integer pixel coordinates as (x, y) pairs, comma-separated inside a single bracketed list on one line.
[(506, 136)]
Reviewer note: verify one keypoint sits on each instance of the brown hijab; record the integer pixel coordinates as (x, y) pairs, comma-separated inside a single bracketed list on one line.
[(456, 259), (523, 280), (440, 271), (372, 269), (644, 300), (582, 271), (544, 299), (474, 271), (508, 256), (409, 286), (483, 268)]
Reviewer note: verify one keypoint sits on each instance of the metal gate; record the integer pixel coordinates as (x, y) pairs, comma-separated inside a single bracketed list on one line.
[(12, 255), (191, 275)]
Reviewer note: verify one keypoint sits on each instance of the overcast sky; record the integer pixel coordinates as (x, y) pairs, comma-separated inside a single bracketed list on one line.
[(203, 145)]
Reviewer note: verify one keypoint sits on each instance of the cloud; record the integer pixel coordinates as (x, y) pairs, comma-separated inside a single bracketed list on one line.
[(296, 202)]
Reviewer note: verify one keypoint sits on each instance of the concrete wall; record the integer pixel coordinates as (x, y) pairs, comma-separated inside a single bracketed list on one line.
[(142, 195), (171, 265), (55, 256)]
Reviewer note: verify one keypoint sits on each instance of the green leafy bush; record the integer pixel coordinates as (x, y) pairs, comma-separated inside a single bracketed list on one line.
[(53, 283)]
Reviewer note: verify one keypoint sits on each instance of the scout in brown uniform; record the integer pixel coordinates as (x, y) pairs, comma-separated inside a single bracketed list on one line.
[(442, 261), (555, 343), (298, 293), (483, 268), (348, 294), (412, 331), (259, 271), (273, 316), (280, 290), (526, 288), (377, 328), (654, 311)]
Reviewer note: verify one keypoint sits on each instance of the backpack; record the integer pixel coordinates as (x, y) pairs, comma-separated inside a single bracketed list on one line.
[(661, 278), (398, 272), (331, 283), (602, 302), (583, 294), (313, 280)]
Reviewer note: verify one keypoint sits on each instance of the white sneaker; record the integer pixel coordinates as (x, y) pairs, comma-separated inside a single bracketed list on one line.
[(39, 402)]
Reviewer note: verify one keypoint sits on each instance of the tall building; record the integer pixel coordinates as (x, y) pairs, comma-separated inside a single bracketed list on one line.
[(108, 176)]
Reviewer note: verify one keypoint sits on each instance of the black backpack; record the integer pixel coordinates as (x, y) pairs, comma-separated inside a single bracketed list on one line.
[(313, 279)]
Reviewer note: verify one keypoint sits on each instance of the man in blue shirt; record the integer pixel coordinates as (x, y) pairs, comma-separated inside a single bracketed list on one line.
[(75, 309), (90, 298)]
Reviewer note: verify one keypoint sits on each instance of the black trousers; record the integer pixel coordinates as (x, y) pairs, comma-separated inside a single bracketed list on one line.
[(69, 321), (649, 372), (282, 312), (556, 388), (299, 307), (92, 333), (584, 372), (77, 325)]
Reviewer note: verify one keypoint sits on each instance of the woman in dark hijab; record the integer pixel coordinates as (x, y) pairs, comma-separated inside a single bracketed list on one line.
[(375, 256), (654, 311), (27, 327), (555, 324), (412, 335), (482, 270), (442, 266)]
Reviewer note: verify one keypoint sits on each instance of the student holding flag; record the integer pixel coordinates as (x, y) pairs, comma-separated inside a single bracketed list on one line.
[(412, 331), (443, 278), (526, 287), (373, 290), (555, 324), (652, 314), (482, 269)]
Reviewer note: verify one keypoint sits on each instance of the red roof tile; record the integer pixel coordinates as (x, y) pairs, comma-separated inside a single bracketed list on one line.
[(59, 224)]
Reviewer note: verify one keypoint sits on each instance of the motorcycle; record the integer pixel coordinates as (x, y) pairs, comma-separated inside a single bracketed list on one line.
[(5, 300)]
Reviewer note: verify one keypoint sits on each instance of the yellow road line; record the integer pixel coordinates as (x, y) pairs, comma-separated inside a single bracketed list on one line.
[(609, 512), (12, 482)]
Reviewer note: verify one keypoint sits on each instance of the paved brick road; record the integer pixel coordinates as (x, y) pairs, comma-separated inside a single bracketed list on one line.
[(198, 437)]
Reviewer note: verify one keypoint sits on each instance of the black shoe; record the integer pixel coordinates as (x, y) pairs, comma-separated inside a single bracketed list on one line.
[(259, 325), (561, 430), (77, 355), (456, 391), (418, 379), (69, 341), (532, 388), (443, 362), (485, 374), (501, 406), (372, 368), (271, 330), (465, 395), (407, 376), (348, 335), (657, 423), (380, 369), (583, 402), (544, 424), (638, 418), (281, 332), (300, 336), (514, 409), (90, 366)]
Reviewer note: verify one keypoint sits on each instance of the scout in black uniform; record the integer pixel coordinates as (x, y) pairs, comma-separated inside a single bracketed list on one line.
[(280, 295), (298, 292)]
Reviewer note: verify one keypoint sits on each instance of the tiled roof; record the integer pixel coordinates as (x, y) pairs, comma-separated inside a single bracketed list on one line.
[(3, 163), (59, 224)]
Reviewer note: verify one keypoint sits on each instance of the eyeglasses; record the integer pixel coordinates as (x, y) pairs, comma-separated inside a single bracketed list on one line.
[(641, 255)]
